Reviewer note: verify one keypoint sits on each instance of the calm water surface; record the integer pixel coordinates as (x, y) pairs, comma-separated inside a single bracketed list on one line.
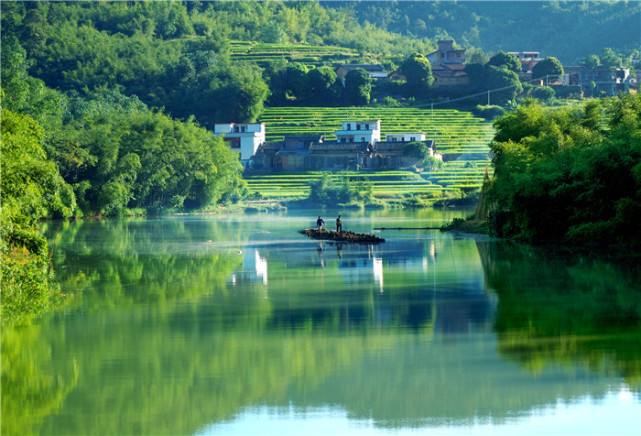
[(208, 325)]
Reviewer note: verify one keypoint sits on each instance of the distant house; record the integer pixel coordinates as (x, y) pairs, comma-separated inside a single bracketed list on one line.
[(358, 145), (447, 54), (375, 71), (527, 58), (448, 65), (242, 137), (449, 75), (359, 131), (404, 137), (606, 80)]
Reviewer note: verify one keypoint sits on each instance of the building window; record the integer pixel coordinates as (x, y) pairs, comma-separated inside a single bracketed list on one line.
[(349, 126)]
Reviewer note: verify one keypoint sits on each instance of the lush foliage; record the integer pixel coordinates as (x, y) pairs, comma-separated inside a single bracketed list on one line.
[(549, 68), (506, 60), (31, 189), (561, 176)]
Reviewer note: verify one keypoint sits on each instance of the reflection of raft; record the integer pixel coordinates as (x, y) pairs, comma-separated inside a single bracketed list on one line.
[(341, 236)]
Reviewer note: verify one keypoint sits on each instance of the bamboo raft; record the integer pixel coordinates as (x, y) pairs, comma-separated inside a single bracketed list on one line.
[(344, 236)]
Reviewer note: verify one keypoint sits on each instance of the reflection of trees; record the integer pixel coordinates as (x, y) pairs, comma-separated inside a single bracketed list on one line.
[(556, 308), (174, 371), (30, 391), (121, 262)]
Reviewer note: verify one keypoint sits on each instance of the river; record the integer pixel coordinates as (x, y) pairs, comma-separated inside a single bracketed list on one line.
[(237, 324)]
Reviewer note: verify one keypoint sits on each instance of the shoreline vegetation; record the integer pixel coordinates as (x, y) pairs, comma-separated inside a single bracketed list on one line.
[(566, 177)]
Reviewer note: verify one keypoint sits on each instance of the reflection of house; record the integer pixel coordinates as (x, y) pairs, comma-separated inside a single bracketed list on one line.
[(358, 145), (609, 81), (374, 71), (527, 58), (254, 269), (244, 138)]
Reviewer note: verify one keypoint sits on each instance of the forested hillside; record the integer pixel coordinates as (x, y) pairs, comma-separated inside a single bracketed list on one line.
[(568, 31)]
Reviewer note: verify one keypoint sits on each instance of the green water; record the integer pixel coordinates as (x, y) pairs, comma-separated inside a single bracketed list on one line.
[(239, 325)]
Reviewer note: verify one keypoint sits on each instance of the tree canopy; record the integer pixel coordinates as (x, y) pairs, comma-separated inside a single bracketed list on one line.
[(506, 60), (418, 73), (559, 176), (549, 68)]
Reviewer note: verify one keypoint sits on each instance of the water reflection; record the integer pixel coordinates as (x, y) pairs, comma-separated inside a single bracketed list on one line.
[(170, 330)]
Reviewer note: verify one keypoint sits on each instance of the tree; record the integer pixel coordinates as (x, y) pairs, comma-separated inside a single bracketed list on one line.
[(417, 150), (543, 93), (477, 74), (549, 68), (418, 73), (503, 84), (610, 59), (591, 62), (507, 60), (297, 81), (321, 84), (358, 85)]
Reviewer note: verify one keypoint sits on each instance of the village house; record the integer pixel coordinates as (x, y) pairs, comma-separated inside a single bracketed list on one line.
[(606, 80), (447, 54), (359, 131), (448, 65), (242, 137), (358, 146)]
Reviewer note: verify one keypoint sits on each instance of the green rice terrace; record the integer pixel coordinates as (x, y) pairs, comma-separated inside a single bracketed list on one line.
[(461, 137), (460, 176), (252, 51), (455, 132)]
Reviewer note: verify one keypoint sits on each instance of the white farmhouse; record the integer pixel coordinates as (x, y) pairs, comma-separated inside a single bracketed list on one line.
[(404, 137), (359, 131), (244, 138)]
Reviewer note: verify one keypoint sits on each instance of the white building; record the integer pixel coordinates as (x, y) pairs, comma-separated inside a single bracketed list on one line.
[(404, 137), (244, 138), (360, 131)]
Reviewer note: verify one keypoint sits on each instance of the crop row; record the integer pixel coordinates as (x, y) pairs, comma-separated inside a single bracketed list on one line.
[(263, 52)]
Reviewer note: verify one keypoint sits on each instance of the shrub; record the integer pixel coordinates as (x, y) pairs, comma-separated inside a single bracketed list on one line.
[(489, 112)]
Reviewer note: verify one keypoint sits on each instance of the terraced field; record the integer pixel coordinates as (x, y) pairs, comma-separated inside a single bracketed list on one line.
[(386, 184), (461, 137), (455, 132), (263, 52)]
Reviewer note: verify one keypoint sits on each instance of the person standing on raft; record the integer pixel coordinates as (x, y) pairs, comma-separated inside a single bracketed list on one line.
[(339, 224), (320, 223)]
